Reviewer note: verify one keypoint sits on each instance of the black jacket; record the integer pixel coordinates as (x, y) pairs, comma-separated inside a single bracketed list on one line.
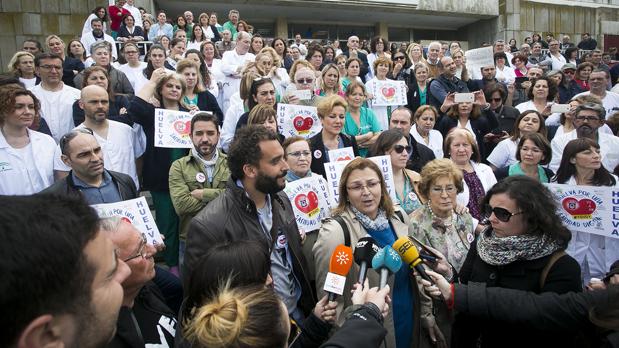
[(153, 317), (506, 117), (563, 277), (70, 65), (208, 102), (420, 155), (361, 329), (414, 98), (317, 147), (482, 125), (547, 311), (137, 31), (118, 79), (567, 93), (454, 85), (233, 216), (66, 186)]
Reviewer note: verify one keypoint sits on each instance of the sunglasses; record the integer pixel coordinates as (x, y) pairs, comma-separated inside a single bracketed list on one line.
[(501, 213), (398, 58), (305, 81), (400, 148)]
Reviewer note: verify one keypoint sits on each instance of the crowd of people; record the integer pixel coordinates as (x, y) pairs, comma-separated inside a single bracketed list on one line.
[(470, 152)]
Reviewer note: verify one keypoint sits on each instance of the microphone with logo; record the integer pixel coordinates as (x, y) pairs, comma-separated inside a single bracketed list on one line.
[(410, 255), (386, 261), (339, 266), (365, 250)]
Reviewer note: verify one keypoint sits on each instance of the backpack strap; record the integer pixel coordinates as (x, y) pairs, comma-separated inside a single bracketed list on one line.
[(344, 226), (551, 261)]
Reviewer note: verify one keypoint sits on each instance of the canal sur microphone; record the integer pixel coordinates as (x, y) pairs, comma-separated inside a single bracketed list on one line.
[(339, 266)]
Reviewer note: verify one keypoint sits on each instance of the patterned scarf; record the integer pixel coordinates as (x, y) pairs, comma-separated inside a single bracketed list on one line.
[(502, 251), (379, 224)]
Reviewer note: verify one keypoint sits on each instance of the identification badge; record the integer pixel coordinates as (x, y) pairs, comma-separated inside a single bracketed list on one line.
[(200, 177)]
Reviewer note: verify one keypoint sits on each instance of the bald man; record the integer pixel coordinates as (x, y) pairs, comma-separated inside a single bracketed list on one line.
[(353, 52), (116, 139)]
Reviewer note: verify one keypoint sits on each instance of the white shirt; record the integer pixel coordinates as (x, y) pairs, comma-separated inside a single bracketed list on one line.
[(615, 89), (88, 39), (230, 63), (135, 12), (29, 170), (231, 118), (610, 102), (57, 108), (504, 154), (485, 175), (594, 253), (507, 75), (381, 112), (135, 75), (28, 83), (435, 140), (608, 149), (557, 61), (119, 150), (87, 26), (302, 48), (551, 120)]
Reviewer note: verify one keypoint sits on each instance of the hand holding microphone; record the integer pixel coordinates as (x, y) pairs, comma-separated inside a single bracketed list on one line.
[(339, 266), (365, 250), (386, 261)]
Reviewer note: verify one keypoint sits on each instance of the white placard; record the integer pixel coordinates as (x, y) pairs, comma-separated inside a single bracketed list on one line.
[(172, 129), (334, 170), (301, 94), (389, 93), (334, 283), (478, 58), (310, 201), (343, 154), (136, 212), (293, 120)]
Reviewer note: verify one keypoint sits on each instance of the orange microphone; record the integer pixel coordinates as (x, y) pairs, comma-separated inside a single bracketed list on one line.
[(339, 266)]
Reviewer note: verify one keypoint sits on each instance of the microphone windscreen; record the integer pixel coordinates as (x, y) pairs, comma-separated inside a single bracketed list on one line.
[(393, 261), (407, 250), (378, 261), (341, 260), (365, 250)]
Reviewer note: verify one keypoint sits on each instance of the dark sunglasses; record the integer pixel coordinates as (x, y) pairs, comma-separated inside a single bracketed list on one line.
[(400, 148), (501, 213), (398, 58)]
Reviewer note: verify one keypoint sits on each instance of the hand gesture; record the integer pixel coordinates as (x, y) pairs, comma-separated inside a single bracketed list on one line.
[(449, 101), (326, 310), (157, 75), (480, 98), (441, 286)]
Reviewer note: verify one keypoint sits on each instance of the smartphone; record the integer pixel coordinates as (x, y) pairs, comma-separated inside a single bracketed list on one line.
[(520, 80), (464, 97), (559, 108), (497, 132)]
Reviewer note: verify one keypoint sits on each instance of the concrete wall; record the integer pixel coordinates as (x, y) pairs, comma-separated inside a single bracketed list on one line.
[(476, 7)]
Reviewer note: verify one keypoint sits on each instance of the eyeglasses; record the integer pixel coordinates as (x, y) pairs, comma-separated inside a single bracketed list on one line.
[(400, 148), (51, 67), (571, 72), (501, 213), (298, 154), (447, 189), (587, 118), (398, 58), (370, 185), (305, 81), (140, 252)]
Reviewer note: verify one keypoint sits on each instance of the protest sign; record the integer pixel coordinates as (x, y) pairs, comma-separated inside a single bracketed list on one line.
[(334, 170), (172, 129), (136, 212), (310, 201), (589, 209), (478, 58), (343, 154), (293, 120), (389, 93)]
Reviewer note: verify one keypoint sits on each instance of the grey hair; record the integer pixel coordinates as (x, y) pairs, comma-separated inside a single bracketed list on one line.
[(100, 44), (599, 109), (110, 224)]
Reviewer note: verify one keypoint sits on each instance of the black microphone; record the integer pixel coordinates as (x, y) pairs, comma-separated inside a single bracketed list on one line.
[(365, 250)]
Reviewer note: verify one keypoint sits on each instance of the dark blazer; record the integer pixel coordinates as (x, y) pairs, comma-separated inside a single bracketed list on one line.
[(414, 98), (137, 31), (71, 64), (482, 125), (123, 182), (208, 102), (506, 118), (420, 155), (120, 101), (567, 93), (317, 148), (563, 277)]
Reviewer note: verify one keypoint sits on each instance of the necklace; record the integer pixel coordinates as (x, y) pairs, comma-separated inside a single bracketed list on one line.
[(447, 222)]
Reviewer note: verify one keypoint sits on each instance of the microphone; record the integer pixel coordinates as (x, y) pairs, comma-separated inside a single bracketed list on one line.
[(339, 266), (387, 261), (410, 255), (365, 250)]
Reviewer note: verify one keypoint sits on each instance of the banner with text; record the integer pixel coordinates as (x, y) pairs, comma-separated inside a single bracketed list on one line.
[(136, 212), (589, 209), (310, 201), (172, 129), (478, 58), (300, 120), (334, 170)]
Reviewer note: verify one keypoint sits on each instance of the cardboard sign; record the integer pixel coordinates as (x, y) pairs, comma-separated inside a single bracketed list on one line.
[(589, 209), (293, 120), (173, 129), (334, 170), (478, 58), (136, 212), (389, 93), (343, 154), (310, 201)]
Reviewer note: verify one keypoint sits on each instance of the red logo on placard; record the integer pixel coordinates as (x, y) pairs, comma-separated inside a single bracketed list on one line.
[(125, 219), (345, 158), (307, 204), (388, 92), (579, 209), (182, 127), (302, 125)]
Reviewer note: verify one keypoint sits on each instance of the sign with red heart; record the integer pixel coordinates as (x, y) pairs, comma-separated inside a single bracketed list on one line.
[(310, 201), (579, 208), (387, 92), (307, 203), (298, 120), (172, 129)]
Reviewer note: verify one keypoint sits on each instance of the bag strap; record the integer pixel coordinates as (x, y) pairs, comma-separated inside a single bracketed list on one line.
[(344, 226), (551, 261)]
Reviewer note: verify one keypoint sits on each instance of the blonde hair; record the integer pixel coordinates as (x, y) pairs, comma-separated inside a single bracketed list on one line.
[(277, 60), (238, 317), (15, 62), (327, 104), (465, 73), (260, 114), (438, 168), (187, 64), (409, 49), (298, 65), (454, 132), (383, 60), (51, 37)]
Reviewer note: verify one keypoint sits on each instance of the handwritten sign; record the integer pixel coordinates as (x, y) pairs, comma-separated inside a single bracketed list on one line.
[(136, 212), (478, 58), (310, 201), (343, 154), (293, 120), (172, 129), (589, 209), (389, 93), (334, 171)]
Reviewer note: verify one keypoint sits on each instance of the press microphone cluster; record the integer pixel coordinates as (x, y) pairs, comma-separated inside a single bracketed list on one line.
[(410, 255), (339, 266)]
